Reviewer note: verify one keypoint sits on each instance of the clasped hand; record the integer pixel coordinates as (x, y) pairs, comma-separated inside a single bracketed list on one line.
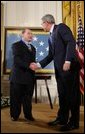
[(33, 66)]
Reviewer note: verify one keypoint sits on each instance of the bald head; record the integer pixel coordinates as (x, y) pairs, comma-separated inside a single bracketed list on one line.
[(27, 34)]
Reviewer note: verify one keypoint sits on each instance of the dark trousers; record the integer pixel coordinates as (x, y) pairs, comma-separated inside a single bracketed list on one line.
[(69, 96), (21, 94)]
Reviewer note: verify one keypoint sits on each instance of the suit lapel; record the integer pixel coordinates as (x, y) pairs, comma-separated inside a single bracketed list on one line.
[(25, 46)]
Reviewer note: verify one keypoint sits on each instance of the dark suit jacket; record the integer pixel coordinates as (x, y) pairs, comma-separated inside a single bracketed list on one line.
[(22, 57), (62, 47)]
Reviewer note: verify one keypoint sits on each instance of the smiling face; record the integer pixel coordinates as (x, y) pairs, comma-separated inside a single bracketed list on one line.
[(27, 35)]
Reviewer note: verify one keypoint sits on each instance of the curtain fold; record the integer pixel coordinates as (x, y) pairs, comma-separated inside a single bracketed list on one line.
[(71, 10)]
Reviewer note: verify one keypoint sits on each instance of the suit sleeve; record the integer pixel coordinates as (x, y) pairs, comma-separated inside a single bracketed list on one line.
[(18, 58), (47, 59), (69, 41)]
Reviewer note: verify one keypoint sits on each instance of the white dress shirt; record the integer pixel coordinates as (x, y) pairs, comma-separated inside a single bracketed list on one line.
[(51, 30), (27, 43)]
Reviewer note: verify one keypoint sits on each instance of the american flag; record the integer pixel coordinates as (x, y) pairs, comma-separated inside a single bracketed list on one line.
[(40, 42), (80, 51)]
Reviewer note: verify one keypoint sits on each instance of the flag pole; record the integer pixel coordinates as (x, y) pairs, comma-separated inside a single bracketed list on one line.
[(78, 8)]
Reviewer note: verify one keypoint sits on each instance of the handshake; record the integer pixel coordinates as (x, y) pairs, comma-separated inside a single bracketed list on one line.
[(34, 66)]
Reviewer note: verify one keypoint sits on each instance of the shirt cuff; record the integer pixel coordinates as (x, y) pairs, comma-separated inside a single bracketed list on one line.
[(68, 62), (38, 64)]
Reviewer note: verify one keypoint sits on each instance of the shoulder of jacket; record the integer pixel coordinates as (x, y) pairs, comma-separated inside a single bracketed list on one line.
[(16, 44), (62, 25)]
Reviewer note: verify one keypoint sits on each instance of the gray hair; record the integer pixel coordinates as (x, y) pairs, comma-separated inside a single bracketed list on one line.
[(48, 18)]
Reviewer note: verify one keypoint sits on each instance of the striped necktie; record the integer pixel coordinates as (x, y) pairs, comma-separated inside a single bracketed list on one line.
[(51, 42), (50, 37)]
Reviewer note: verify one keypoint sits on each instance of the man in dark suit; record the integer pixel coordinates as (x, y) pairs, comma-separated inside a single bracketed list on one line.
[(62, 51), (22, 78)]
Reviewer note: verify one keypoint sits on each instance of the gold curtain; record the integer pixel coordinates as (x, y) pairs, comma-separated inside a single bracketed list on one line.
[(71, 10)]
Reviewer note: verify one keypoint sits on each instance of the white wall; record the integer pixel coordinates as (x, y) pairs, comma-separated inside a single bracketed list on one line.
[(29, 13)]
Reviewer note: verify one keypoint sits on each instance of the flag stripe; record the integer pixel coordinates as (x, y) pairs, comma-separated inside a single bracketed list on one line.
[(81, 86), (82, 74), (81, 81), (80, 51)]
